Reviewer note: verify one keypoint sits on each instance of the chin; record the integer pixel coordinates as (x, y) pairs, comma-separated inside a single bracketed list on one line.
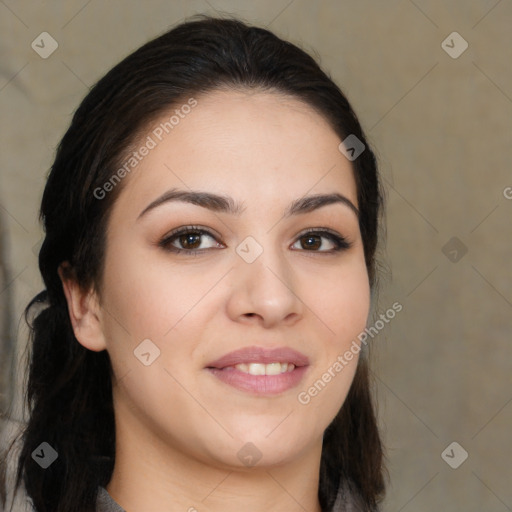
[(273, 449)]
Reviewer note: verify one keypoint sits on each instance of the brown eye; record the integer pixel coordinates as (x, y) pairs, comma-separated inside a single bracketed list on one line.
[(190, 240), (186, 240), (312, 241)]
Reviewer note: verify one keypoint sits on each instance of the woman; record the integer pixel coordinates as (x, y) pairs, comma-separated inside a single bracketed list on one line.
[(211, 224)]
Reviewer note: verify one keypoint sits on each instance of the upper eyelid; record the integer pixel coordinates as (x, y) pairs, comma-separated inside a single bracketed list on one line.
[(186, 229)]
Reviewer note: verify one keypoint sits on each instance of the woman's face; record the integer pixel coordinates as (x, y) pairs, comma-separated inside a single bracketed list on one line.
[(256, 280)]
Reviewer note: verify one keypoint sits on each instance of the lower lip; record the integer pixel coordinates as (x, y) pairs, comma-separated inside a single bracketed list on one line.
[(260, 384)]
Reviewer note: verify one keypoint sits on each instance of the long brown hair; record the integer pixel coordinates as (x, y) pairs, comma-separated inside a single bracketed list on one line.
[(69, 391)]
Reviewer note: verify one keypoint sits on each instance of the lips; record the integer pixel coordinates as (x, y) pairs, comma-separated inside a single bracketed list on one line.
[(261, 371), (260, 355)]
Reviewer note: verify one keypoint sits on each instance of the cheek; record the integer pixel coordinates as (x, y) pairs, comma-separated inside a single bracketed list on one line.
[(343, 304), (133, 304), (344, 308), (147, 297), (153, 300)]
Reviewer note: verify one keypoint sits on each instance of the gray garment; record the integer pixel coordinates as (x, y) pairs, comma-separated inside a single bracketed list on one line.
[(344, 502), (105, 502)]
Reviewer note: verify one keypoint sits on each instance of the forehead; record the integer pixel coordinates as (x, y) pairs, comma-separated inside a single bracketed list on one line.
[(255, 146)]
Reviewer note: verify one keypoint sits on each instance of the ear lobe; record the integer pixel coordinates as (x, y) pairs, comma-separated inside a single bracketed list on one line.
[(84, 310)]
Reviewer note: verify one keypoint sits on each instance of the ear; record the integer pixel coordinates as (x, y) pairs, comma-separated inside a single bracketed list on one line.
[(84, 311)]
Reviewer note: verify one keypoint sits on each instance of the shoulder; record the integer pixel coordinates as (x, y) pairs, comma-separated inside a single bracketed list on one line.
[(348, 500), (16, 499), (105, 502)]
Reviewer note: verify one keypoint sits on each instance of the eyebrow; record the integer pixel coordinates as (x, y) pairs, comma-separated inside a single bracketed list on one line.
[(226, 204)]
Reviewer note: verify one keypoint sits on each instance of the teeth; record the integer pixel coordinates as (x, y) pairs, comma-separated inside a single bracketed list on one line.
[(265, 369)]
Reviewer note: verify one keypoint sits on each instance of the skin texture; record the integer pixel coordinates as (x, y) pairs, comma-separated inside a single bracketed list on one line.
[(178, 428)]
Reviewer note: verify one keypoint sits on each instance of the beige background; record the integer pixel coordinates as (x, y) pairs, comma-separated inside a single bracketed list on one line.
[(442, 128)]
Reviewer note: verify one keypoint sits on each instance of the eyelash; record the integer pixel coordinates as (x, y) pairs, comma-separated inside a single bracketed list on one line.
[(340, 242)]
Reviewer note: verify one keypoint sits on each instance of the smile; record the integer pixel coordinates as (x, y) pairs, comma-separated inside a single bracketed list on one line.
[(262, 368), (260, 371)]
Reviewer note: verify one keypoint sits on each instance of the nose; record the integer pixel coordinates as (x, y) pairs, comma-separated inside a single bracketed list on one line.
[(265, 291)]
